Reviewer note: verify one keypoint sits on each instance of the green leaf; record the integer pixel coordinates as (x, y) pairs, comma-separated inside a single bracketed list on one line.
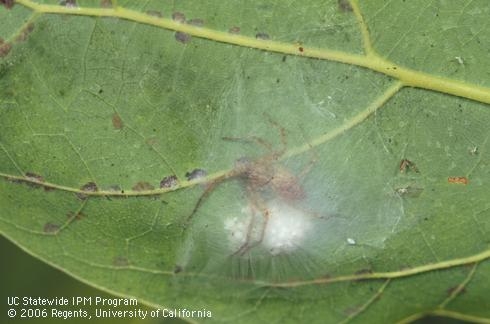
[(345, 148)]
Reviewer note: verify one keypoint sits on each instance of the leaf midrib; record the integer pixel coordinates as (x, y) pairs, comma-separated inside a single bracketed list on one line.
[(371, 60)]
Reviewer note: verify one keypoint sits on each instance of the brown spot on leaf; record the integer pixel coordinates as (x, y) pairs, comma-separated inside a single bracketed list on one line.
[(31, 176), (143, 186), (7, 3), (14, 180), (234, 30), (263, 36), (51, 228), (458, 180), (178, 269), (77, 216), (88, 187), (5, 49), (117, 121), (363, 272), (458, 290), (120, 261), (184, 38), (169, 182), (24, 33), (406, 165), (106, 3), (46, 188), (344, 6), (198, 22), (154, 13), (69, 3), (196, 174), (179, 17)]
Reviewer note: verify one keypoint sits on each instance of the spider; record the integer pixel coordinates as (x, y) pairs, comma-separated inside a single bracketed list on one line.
[(261, 178)]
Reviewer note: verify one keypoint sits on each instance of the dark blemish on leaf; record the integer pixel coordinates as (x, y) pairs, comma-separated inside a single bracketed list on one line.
[(409, 191), (169, 182), (7, 3), (458, 290), (77, 216), (198, 22), (120, 261), (263, 36), (179, 17), (473, 150), (183, 37), (69, 3), (24, 33), (101, 91), (344, 6), (142, 186), (407, 165), (277, 80), (178, 269), (284, 58), (106, 3), (31, 176), (5, 49), (363, 272), (301, 49), (51, 228), (88, 187), (234, 30), (117, 121), (154, 13), (196, 174)]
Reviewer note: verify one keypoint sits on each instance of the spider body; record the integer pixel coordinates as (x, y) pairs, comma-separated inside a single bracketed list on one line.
[(264, 179), (265, 174)]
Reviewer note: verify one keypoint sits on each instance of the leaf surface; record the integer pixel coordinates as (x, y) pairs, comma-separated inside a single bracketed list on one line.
[(281, 161)]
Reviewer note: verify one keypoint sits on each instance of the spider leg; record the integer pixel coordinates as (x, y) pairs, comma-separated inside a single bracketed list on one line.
[(257, 205), (282, 133), (209, 188), (246, 246)]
